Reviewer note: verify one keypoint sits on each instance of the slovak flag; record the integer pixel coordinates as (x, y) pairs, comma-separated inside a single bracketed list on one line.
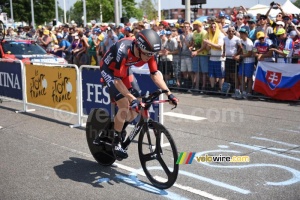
[(278, 80)]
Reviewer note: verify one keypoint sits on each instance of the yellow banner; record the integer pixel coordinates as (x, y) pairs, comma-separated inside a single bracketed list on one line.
[(53, 87)]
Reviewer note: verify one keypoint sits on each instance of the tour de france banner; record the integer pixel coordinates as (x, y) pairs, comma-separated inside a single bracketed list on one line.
[(11, 80), (53, 87), (95, 95)]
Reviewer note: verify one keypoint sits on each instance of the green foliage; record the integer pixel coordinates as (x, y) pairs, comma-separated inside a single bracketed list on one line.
[(149, 9), (93, 10), (297, 3), (22, 10)]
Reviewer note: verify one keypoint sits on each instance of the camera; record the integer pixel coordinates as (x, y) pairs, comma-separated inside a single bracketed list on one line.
[(274, 5)]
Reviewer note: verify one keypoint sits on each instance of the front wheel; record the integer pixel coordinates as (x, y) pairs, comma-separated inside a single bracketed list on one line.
[(158, 155)]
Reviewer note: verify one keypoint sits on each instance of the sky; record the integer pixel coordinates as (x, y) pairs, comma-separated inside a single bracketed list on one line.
[(165, 4)]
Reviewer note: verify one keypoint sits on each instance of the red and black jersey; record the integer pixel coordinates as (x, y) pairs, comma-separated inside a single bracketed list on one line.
[(120, 57)]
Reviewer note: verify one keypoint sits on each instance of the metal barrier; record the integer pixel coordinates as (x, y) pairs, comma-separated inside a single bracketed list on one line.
[(50, 86), (231, 79), (10, 78)]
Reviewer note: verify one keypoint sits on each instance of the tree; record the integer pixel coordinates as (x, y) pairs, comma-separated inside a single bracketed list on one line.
[(297, 3), (44, 10), (93, 10), (149, 10)]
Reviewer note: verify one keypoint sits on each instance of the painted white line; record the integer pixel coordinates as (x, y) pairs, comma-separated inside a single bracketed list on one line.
[(192, 190), (127, 168), (276, 141), (179, 115), (293, 131), (264, 149)]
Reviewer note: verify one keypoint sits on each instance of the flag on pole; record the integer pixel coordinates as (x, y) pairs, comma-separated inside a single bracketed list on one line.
[(278, 80)]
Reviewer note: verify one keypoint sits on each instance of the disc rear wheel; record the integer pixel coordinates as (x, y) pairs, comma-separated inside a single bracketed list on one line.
[(99, 124)]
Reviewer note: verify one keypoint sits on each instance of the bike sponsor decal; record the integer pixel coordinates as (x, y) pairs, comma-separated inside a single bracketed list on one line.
[(10, 80), (52, 86)]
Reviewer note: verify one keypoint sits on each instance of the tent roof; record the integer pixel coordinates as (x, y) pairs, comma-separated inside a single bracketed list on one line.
[(289, 7)]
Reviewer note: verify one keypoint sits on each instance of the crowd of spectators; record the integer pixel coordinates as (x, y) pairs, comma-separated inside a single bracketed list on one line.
[(199, 56)]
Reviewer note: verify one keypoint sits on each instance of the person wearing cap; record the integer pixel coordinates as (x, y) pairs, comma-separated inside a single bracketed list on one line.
[(92, 46), (261, 48), (264, 26), (296, 46), (211, 19), (252, 29), (287, 19), (168, 49), (119, 33), (230, 49), (284, 50), (186, 60), (63, 45), (215, 43), (199, 55), (46, 40), (239, 22), (127, 32), (110, 39), (222, 23), (246, 67)]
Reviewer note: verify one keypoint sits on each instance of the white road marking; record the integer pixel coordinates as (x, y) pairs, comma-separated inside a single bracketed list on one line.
[(127, 168), (264, 149), (192, 190), (179, 115), (275, 141)]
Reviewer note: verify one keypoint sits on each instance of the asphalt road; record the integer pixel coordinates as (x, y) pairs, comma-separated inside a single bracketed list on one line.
[(42, 158)]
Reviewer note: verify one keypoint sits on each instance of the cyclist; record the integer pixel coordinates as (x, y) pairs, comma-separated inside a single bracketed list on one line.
[(122, 85)]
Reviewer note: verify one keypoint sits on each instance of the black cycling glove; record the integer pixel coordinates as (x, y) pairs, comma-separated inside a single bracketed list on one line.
[(173, 99), (134, 105)]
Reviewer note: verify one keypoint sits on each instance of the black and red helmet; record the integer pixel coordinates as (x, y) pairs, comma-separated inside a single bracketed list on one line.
[(148, 41)]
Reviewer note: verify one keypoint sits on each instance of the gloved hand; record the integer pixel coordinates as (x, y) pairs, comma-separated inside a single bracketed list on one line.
[(173, 99), (134, 105)]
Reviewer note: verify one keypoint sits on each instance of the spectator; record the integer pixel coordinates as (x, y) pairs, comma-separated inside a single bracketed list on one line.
[(288, 22), (231, 47), (296, 46), (110, 39), (285, 47), (252, 29), (264, 27), (169, 47), (199, 55), (222, 24), (184, 45), (119, 33), (246, 67), (127, 32), (92, 46), (46, 40), (261, 48), (63, 46), (215, 44)]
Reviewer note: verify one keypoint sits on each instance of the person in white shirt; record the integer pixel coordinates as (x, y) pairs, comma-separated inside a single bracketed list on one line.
[(231, 46), (246, 66)]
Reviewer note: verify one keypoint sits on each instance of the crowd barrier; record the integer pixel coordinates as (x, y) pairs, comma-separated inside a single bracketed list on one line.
[(175, 80), (64, 88)]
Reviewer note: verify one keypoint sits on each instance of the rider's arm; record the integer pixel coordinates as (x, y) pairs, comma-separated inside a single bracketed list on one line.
[(156, 76)]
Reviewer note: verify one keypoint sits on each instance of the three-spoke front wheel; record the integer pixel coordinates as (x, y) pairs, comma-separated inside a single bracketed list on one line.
[(158, 156)]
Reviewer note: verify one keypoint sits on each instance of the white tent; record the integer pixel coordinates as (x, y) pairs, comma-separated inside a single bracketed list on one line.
[(289, 7), (262, 9)]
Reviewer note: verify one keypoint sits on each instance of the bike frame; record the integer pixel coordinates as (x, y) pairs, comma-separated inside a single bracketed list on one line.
[(143, 122)]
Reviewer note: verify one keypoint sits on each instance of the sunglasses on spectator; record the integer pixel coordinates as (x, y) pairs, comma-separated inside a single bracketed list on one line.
[(286, 19), (262, 38), (262, 18), (174, 30), (240, 19), (279, 16)]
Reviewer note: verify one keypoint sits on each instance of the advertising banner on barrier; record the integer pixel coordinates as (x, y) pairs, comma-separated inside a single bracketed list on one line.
[(96, 96), (11, 80), (53, 87)]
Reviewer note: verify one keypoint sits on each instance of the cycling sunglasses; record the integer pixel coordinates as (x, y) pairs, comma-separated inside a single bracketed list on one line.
[(147, 53)]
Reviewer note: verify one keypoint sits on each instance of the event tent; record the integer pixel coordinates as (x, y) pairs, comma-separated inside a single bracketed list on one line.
[(289, 7)]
